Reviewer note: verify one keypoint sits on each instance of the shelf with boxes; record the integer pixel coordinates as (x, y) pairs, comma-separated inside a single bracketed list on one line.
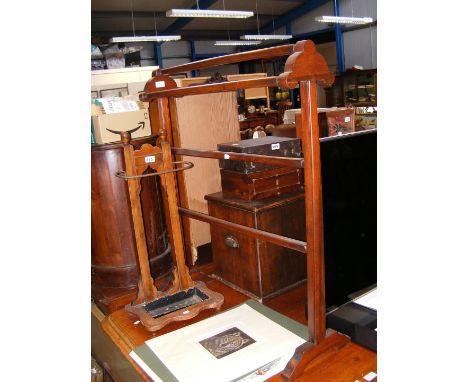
[(353, 87)]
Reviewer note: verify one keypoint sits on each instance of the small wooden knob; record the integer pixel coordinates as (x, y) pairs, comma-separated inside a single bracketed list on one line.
[(125, 137), (162, 134)]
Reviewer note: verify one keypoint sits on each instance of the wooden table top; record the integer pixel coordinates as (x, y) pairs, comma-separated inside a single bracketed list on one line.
[(349, 364)]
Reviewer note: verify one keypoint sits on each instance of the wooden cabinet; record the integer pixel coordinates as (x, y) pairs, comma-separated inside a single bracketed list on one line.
[(261, 268), (260, 119), (353, 87), (360, 87)]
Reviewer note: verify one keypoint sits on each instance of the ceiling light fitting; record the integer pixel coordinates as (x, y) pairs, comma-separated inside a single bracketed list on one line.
[(145, 38), (208, 13), (135, 38), (344, 19), (232, 42), (266, 37)]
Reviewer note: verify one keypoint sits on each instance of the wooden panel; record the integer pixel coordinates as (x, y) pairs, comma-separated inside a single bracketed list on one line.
[(203, 122), (261, 268), (281, 267), (252, 93), (236, 265)]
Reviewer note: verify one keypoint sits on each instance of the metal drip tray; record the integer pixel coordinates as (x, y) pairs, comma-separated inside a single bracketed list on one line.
[(179, 300)]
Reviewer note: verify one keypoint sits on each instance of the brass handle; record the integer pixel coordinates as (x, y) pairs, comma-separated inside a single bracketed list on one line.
[(231, 241)]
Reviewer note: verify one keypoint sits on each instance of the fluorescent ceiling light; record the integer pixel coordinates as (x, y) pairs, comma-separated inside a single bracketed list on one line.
[(344, 19), (208, 13), (266, 37), (234, 42), (144, 38)]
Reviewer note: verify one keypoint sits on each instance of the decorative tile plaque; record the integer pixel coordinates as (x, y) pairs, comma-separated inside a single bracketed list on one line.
[(222, 344)]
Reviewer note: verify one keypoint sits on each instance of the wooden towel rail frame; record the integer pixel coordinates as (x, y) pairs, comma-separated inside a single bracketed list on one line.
[(306, 67)]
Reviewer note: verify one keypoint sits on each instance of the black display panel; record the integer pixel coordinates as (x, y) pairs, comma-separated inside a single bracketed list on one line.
[(349, 186)]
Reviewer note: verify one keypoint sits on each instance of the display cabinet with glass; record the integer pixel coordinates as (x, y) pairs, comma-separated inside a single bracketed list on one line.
[(360, 87)]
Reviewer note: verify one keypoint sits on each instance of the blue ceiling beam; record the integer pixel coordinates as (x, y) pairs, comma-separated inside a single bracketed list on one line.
[(338, 39), (292, 15), (181, 22)]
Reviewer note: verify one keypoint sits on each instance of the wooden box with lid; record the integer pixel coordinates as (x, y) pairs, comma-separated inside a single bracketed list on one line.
[(262, 269)]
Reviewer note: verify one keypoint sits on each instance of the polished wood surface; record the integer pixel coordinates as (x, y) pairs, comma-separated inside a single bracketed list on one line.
[(349, 363), (293, 244), (146, 289), (307, 66), (314, 223), (114, 267), (212, 88), (159, 159), (260, 185), (265, 159), (278, 51), (263, 263)]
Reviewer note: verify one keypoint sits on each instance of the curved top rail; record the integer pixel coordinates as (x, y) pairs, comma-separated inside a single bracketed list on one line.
[(277, 51), (209, 88)]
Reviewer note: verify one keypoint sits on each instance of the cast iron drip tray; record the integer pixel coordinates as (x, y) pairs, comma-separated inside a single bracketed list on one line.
[(179, 300)]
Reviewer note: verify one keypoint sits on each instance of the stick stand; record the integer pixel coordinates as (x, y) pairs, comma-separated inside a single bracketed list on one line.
[(185, 298)]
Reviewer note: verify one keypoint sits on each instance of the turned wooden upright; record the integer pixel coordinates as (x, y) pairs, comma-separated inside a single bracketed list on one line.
[(307, 67)]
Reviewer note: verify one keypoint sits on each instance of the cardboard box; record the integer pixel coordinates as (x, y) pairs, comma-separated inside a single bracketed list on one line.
[(125, 121)]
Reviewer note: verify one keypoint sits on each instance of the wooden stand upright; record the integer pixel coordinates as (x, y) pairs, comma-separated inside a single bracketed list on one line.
[(185, 299)]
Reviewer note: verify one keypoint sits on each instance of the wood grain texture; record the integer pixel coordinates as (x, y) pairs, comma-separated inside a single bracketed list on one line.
[(314, 211), (277, 51), (260, 185), (113, 252), (283, 241), (212, 88), (347, 364), (203, 122), (257, 158), (306, 65), (262, 268)]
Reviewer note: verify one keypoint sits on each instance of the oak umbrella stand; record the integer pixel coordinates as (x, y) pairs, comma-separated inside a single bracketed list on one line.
[(185, 298)]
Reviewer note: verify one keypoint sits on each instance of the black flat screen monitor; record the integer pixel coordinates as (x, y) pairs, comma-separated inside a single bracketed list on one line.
[(349, 187)]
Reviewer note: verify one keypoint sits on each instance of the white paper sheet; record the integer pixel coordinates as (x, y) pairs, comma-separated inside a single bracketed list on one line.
[(369, 300), (189, 361)]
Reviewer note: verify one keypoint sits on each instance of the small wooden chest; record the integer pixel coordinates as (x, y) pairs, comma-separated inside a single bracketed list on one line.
[(273, 146), (261, 185), (261, 268)]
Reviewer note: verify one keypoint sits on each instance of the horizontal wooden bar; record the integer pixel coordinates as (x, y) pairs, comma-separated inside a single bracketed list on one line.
[(283, 241), (265, 159), (277, 51), (212, 88)]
